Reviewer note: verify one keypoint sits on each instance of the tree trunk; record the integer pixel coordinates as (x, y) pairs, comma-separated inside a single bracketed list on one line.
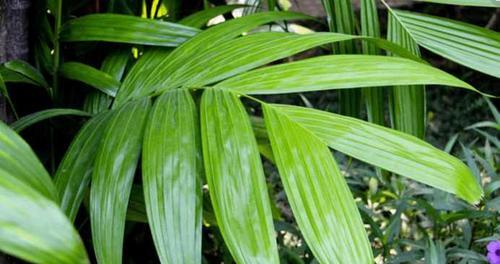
[(13, 38)]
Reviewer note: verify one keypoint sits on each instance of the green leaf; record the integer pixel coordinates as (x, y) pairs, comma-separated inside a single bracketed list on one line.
[(115, 63), (116, 160), (201, 18), (140, 82), (338, 72), (318, 193), (475, 47), (96, 102), (17, 159), (126, 29), (389, 149), (485, 3), (3, 88), (374, 97), (33, 227), (236, 179), (171, 178), (73, 175), (340, 16), (27, 70), (91, 76), (36, 117), (245, 53), (15, 77), (407, 103)]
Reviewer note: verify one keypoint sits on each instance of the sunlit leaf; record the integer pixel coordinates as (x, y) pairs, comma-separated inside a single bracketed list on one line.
[(171, 178), (318, 194), (116, 160), (236, 179)]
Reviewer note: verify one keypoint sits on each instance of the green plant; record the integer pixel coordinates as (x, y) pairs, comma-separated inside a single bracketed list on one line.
[(181, 107)]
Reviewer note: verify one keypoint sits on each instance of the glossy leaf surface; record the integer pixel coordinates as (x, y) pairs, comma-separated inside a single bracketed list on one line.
[(126, 29), (36, 117), (91, 76), (140, 82), (17, 159), (236, 179), (114, 169), (389, 149), (74, 172), (33, 227), (338, 72), (407, 103), (472, 46), (171, 178), (318, 193), (27, 70)]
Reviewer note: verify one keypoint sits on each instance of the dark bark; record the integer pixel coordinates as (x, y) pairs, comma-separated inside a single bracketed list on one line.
[(13, 38)]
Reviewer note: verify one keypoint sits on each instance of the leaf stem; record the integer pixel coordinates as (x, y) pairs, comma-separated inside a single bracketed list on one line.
[(55, 66)]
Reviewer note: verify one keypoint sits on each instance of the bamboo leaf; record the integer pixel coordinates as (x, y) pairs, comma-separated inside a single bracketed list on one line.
[(116, 160), (91, 76), (126, 29), (318, 194), (33, 227), (160, 69), (407, 103), (201, 18), (338, 72), (171, 178), (27, 70), (236, 179), (17, 159), (73, 175), (485, 3), (389, 149), (472, 46), (39, 116)]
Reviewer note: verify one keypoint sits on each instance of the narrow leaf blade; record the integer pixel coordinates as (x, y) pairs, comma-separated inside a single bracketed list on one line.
[(391, 150), (39, 116), (114, 169), (236, 179), (91, 76), (318, 194), (171, 178)]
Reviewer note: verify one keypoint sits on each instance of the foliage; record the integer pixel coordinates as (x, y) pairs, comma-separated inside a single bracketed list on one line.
[(173, 138)]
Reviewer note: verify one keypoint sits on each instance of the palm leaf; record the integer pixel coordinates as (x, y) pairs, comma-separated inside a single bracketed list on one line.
[(74, 172), (389, 149), (374, 98), (91, 76), (249, 52), (17, 158), (341, 19), (126, 29), (318, 194), (27, 70), (116, 160), (39, 116), (472, 46), (338, 72), (159, 68), (33, 227), (407, 103), (236, 179), (171, 178)]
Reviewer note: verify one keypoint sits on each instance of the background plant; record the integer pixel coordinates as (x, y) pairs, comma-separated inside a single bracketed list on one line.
[(176, 92)]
